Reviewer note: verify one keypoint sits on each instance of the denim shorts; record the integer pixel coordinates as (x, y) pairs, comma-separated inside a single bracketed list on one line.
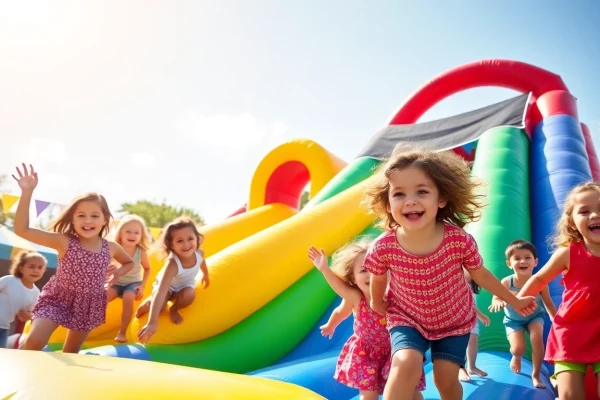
[(451, 348), (512, 325), (3, 338), (130, 287)]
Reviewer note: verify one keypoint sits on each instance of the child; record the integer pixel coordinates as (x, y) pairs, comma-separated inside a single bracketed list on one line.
[(132, 235), (180, 241), (18, 292), (573, 342), (364, 362), (424, 199), (74, 297), (464, 374), (521, 257)]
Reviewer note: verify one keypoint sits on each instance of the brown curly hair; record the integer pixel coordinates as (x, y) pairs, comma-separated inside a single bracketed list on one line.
[(165, 241), (566, 232), (343, 260), (449, 172)]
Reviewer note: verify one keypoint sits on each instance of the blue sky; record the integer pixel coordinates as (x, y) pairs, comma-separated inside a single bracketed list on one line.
[(180, 100)]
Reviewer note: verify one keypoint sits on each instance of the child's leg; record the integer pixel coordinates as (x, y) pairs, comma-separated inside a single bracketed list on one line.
[(536, 336), (516, 338), (41, 330), (418, 395), (128, 298), (570, 379), (408, 349), (181, 299), (74, 340), (472, 350), (111, 294), (368, 395), (448, 355)]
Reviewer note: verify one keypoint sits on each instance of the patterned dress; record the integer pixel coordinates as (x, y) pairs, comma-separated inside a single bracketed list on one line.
[(364, 362), (75, 297)]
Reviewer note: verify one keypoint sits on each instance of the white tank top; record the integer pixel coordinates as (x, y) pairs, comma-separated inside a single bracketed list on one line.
[(186, 277)]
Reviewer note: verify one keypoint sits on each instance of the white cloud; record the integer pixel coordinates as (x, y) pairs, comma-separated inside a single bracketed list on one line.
[(45, 151), (232, 132), (143, 160)]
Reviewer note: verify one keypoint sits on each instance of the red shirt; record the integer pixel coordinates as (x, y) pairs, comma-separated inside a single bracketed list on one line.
[(428, 293)]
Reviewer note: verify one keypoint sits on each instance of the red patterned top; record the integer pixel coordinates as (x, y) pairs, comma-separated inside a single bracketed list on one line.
[(428, 293)]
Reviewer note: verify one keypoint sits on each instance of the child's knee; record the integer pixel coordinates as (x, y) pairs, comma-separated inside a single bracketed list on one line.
[(408, 363), (187, 295), (128, 297), (445, 375)]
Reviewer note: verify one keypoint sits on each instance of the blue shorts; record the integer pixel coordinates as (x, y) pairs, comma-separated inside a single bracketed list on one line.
[(130, 287), (512, 325), (3, 338), (451, 348)]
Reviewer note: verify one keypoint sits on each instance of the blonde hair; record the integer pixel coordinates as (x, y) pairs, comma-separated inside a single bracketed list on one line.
[(145, 239), (449, 172), (64, 222), (165, 241), (343, 260), (566, 232), (22, 258)]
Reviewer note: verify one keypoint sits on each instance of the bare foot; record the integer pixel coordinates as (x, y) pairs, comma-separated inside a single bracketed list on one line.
[(537, 383), (463, 375), (121, 338), (175, 316), (515, 364), (476, 371), (142, 309)]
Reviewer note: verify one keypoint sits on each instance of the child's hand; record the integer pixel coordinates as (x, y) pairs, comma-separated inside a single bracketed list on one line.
[(380, 307), (525, 305), (110, 272), (205, 281), (497, 305), (327, 331), (139, 292), (485, 320), (147, 331), (318, 258), (27, 180), (24, 315)]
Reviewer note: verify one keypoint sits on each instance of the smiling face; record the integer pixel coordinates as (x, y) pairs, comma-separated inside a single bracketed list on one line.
[(32, 270), (361, 277), (88, 219), (184, 242), (414, 199), (522, 261), (130, 234), (586, 215)]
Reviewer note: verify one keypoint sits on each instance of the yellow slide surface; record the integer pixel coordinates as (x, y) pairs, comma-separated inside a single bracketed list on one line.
[(33, 375), (252, 272)]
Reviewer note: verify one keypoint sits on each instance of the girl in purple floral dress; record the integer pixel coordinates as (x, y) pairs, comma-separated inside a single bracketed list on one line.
[(364, 362), (74, 297)]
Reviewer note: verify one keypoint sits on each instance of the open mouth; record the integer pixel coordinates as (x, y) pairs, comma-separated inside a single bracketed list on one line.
[(595, 228), (88, 228), (413, 215), (523, 268)]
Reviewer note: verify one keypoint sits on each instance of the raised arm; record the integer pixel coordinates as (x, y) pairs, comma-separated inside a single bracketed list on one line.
[(559, 262), (27, 181), (319, 259)]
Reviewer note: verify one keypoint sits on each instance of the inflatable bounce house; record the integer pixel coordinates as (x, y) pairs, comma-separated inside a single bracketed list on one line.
[(255, 332)]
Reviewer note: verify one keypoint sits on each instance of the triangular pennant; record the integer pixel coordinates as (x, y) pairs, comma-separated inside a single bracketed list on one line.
[(155, 232), (8, 200), (40, 206)]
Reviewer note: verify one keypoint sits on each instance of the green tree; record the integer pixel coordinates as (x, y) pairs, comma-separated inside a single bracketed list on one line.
[(304, 199), (159, 214), (5, 218)]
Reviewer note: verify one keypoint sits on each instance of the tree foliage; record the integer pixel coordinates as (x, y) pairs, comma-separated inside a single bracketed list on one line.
[(159, 214), (5, 218), (304, 199)]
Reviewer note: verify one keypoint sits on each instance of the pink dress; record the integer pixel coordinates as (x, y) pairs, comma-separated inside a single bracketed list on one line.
[(75, 296), (364, 362)]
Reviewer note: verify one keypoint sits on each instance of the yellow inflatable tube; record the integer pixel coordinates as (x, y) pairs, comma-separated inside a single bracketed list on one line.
[(33, 375), (249, 274)]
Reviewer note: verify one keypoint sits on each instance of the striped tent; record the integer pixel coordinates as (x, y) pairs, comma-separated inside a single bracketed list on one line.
[(11, 244)]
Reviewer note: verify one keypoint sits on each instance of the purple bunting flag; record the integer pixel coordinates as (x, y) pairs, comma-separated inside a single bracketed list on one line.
[(40, 206)]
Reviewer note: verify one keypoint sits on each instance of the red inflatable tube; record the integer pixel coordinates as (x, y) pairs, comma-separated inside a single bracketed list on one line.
[(591, 152), (557, 102)]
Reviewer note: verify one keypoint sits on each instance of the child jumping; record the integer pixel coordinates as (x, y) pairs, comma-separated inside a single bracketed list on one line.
[(74, 297), (424, 199), (176, 281), (364, 362), (132, 235), (574, 339), (18, 293), (464, 374), (521, 257)]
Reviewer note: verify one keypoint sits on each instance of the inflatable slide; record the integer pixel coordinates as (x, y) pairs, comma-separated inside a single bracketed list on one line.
[(262, 313)]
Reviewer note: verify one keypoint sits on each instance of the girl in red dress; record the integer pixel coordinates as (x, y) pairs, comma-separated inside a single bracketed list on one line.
[(364, 362), (574, 340)]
